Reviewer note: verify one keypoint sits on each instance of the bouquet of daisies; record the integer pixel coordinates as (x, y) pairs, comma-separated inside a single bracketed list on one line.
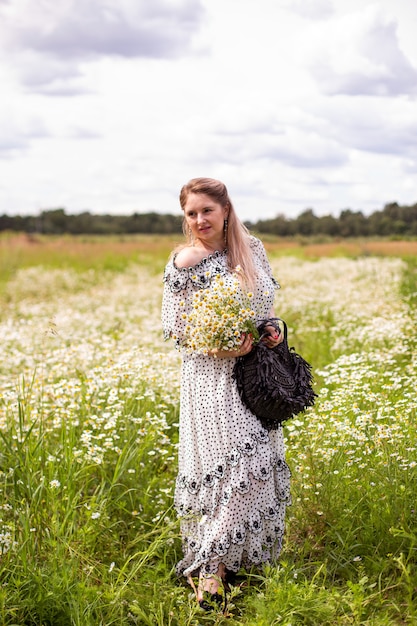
[(219, 317)]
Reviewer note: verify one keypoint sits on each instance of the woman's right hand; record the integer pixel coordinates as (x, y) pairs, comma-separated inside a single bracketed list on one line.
[(274, 336)]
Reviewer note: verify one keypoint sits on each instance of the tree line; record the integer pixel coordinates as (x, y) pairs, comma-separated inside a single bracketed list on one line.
[(392, 220)]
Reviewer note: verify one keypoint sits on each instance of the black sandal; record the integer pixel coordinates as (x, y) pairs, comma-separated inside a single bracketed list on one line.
[(213, 601), (229, 579)]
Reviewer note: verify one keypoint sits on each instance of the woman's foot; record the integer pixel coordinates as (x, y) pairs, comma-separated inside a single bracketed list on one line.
[(211, 593)]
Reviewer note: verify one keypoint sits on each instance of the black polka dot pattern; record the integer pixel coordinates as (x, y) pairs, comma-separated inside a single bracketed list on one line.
[(233, 482)]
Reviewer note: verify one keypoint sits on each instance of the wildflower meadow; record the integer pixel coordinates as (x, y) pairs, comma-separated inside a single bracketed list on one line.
[(89, 402)]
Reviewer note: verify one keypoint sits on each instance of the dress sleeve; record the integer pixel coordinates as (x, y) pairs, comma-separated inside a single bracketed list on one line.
[(176, 302), (259, 251)]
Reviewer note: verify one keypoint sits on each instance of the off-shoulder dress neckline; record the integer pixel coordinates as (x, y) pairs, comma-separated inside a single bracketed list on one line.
[(213, 255)]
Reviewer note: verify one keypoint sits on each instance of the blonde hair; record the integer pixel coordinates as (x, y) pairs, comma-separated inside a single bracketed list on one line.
[(238, 236)]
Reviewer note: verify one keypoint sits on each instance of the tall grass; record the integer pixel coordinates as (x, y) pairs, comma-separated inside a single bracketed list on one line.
[(81, 253), (88, 426)]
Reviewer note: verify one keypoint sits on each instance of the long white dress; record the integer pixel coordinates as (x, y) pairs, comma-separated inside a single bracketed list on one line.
[(233, 482)]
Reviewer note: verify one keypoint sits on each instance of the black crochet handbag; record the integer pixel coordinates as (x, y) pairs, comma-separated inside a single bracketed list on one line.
[(274, 383)]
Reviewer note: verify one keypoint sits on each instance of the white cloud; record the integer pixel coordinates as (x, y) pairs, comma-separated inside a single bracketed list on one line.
[(281, 100), (76, 28), (17, 133), (360, 55), (299, 148), (382, 126), (311, 9), (62, 34), (48, 75)]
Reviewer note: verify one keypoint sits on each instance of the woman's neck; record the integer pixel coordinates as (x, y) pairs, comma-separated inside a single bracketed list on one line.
[(210, 246)]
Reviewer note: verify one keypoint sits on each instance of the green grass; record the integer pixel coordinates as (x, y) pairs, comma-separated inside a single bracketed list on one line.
[(83, 254), (88, 433), (73, 519)]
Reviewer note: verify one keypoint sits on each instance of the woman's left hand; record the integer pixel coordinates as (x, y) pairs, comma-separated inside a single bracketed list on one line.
[(274, 338), (246, 346)]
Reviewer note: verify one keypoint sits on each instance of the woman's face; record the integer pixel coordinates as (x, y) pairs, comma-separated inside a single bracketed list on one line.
[(205, 218)]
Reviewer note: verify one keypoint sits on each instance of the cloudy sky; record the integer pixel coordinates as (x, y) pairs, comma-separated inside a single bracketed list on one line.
[(111, 105)]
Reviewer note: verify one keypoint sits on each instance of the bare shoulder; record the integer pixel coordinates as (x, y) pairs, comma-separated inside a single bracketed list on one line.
[(188, 256)]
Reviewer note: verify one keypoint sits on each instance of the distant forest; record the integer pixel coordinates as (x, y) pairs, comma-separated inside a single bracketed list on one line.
[(392, 220)]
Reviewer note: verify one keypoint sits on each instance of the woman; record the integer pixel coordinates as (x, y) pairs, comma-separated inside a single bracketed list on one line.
[(233, 483)]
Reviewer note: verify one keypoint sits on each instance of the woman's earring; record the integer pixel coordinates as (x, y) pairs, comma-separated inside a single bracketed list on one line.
[(226, 222), (190, 236)]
